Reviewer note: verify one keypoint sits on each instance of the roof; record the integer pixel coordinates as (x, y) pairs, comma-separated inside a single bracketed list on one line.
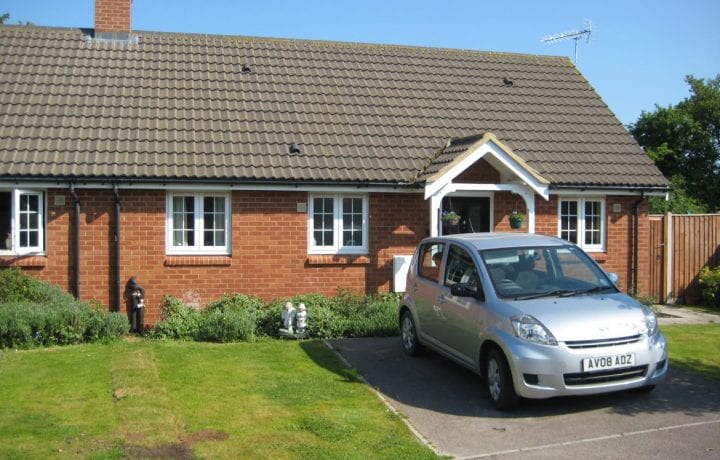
[(499, 240), (221, 108)]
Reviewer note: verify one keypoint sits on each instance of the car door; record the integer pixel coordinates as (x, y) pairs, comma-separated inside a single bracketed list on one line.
[(461, 327), (426, 288)]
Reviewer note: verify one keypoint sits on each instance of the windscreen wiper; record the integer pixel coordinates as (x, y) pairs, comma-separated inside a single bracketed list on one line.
[(552, 293), (585, 291)]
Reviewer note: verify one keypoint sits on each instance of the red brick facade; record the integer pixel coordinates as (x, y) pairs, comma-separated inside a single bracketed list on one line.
[(269, 245), (113, 15)]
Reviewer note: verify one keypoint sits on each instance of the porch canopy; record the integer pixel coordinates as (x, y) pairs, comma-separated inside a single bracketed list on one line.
[(459, 155)]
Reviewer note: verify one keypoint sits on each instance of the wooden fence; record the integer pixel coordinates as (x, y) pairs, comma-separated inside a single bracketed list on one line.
[(679, 246)]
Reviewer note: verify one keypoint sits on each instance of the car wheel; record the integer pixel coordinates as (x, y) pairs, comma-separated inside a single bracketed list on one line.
[(408, 333), (499, 382)]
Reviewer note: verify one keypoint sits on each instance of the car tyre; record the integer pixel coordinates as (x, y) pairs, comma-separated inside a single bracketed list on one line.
[(499, 381), (408, 334)]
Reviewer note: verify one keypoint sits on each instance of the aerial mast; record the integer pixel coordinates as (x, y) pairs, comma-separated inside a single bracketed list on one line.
[(575, 35)]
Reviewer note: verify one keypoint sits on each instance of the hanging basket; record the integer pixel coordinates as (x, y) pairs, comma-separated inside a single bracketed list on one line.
[(452, 222), (516, 221)]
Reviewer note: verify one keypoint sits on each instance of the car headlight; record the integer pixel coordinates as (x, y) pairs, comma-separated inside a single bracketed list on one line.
[(650, 323), (528, 328)]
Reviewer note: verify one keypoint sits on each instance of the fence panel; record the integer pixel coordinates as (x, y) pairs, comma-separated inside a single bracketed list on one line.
[(657, 258), (695, 243)]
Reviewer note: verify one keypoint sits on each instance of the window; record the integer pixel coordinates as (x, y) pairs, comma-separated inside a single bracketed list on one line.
[(22, 221), (338, 224), (198, 223), (460, 268), (430, 260), (582, 221)]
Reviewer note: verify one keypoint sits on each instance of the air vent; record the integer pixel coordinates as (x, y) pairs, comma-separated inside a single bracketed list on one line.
[(246, 68), (294, 148)]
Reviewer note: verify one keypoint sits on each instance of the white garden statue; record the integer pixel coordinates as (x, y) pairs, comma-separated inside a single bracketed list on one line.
[(294, 322)]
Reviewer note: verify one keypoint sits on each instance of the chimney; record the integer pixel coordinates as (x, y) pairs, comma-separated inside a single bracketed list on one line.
[(113, 20)]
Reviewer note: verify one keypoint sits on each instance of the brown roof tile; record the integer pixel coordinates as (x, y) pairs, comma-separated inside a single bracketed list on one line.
[(180, 106)]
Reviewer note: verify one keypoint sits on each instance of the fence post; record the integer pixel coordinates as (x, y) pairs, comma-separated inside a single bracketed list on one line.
[(668, 239)]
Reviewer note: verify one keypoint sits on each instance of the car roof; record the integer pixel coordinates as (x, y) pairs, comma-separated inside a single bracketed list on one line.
[(501, 240)]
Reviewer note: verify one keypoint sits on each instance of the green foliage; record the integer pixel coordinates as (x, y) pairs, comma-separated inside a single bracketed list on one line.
[(684, 140), (35, 313), (240, 317), (231, 319), (4, 18), (710, 285), (680, 202), (178, 321)]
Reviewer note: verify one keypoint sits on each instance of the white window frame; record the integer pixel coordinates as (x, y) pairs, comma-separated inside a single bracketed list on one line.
[(581, 221), (198, 247), (337, 247), (15, 221)]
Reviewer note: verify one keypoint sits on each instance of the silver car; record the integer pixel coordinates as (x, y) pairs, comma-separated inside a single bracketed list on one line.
[(535, 316)]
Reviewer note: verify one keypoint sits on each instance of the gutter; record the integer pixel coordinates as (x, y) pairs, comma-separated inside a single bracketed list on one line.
[(76, 244)]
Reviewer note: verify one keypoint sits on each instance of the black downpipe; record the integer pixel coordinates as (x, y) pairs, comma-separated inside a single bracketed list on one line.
[(76, 244), (116, 263), (636, 240)]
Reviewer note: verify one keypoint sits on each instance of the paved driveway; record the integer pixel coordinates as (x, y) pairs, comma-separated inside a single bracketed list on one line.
[(680, 419)]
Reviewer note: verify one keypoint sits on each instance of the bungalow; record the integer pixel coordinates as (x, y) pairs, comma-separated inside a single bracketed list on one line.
[(203, 164)]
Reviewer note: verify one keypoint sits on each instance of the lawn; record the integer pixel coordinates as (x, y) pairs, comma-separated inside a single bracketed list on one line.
[(695, 348), (270, 399)]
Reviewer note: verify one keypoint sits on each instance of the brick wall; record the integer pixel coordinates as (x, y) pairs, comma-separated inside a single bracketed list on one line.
[(269, 246), (113, 15)]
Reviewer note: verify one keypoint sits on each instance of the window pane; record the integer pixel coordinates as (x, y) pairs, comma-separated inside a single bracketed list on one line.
[(29, 220), (183, 221), (569, 221), (592, 222), (5, 220), (323, 221), (352, 222)]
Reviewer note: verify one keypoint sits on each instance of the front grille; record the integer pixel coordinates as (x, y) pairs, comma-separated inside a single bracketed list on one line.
[(612, 375), (580, 344)]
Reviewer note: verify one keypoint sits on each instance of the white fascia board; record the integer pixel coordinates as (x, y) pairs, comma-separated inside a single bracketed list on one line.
[(205, 187), (609, 192)]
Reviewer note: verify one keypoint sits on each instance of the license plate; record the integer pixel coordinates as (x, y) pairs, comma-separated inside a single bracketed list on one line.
[(601, 363)]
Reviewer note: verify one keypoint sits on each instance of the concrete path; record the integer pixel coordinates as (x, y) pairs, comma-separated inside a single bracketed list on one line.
[(442, 402), (676, 314)]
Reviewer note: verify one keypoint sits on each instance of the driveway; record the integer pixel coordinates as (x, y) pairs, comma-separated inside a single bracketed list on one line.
[(442, 402)]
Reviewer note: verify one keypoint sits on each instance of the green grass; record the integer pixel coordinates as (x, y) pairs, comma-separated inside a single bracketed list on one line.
[(193, 400), (695, 348)]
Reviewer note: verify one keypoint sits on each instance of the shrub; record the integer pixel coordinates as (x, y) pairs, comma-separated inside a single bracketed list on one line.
[(232, 318), (710, 285), (35, 313), (178, 321)]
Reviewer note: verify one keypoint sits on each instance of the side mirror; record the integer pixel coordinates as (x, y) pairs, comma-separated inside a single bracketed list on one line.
[(614, 278), (466, 290)]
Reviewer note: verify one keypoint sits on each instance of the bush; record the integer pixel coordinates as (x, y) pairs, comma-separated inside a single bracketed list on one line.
[(231, 319), (177, 321), (35, 313), (710, 285)]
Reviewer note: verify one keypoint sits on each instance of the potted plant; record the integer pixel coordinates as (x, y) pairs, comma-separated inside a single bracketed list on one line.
[(450, 217), (516, 219)]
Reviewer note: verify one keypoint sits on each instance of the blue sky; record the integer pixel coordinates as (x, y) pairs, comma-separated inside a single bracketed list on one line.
[(638, 54)]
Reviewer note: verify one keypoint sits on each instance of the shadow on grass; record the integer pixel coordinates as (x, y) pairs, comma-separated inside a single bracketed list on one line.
[(434, 383), (324, 357)]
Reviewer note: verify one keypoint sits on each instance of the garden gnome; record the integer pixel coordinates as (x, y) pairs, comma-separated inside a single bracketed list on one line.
[(301, 318), (288, 315)]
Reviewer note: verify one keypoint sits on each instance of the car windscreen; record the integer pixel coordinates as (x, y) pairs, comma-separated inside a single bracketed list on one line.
[(533, 272)]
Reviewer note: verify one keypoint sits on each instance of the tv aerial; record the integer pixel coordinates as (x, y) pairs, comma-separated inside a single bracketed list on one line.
[(575, 35)]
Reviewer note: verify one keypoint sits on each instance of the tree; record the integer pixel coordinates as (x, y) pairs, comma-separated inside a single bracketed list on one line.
[(684, 142), (4, 18)]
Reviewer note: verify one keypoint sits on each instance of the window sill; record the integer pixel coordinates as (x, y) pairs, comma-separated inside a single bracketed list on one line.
[(599, 257), (335, 259), (23, 261), (197, 261)]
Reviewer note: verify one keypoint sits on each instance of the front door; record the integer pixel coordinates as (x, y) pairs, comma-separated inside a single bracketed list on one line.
[(474, 214)]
